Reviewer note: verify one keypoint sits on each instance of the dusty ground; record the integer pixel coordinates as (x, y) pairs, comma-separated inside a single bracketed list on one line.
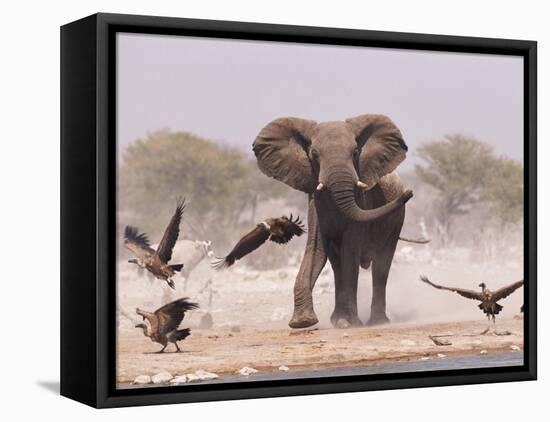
[(224, 352), (259, 304)]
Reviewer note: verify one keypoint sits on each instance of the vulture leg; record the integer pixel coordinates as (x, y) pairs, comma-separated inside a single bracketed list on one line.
[(177, 348), (162, 350), (488, 326)]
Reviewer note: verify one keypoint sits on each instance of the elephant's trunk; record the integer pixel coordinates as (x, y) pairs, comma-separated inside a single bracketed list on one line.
[(342, 188)]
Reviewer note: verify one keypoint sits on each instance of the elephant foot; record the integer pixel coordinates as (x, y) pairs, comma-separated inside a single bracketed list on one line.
[(303, 319), (342, 324), (340, 320), (379, 319)]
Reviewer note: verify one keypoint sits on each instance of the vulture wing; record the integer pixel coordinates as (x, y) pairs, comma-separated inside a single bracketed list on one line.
[(171, 234), (137, 242), (152, 318), (470, 294), (506, 290), (248, 243), (171, 314), (290, 228)]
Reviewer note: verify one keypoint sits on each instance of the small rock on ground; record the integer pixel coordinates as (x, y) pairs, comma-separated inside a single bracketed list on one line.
[(180, 379), (515, 348), (483, 352), (246, 371), (283, 368), (161, 377), (193, 378), (142, 379), (205, 375)]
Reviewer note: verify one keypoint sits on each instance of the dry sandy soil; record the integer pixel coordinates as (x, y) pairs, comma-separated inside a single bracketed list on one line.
[(224, 352), (259, 304)]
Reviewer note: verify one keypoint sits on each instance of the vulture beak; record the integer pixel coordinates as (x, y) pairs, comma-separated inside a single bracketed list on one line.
[(320, 187)]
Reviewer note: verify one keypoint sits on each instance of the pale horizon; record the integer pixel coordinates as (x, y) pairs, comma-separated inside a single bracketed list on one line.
[(227, 90)]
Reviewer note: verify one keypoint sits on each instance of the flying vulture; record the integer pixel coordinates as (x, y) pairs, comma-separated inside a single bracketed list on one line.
[(278, 230), (156, 262), (164, 322), (488, 298)]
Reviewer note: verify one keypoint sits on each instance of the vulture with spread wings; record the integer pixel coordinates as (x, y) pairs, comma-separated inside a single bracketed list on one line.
[(279, 230), (488, 298), (164, 322), (156, 262)]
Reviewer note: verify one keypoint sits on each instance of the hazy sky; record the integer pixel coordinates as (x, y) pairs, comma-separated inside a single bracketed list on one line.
[(228, 90)]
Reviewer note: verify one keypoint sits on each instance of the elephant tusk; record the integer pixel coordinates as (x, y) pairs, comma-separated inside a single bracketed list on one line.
[(320, 187), (362, 185)]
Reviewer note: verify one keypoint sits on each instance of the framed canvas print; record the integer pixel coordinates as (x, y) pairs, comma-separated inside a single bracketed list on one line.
[(253, 210)]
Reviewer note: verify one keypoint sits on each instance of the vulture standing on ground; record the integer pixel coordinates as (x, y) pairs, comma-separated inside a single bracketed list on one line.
[(164, 322), (156, 262), (278, 230), (488, 298)]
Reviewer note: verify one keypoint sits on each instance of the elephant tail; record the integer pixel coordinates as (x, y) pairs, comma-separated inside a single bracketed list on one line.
[(419, 241)]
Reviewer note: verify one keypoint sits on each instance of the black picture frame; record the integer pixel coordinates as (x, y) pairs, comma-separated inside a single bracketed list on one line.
[(88, 207)]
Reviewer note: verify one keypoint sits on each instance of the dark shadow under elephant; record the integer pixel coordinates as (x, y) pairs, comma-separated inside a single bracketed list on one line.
[(356, 204)]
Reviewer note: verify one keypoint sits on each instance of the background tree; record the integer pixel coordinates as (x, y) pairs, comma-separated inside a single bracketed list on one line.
[(221, 186), (504, 190), (465, 172)]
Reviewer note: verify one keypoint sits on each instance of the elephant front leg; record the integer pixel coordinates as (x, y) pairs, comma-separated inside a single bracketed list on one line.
[(346, 273), (380, 271), (378, 305), (313, 263)]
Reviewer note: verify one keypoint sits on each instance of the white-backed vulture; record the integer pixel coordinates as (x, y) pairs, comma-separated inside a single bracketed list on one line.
[(488, 298), (164, 322), (156, 261), (279, 230)]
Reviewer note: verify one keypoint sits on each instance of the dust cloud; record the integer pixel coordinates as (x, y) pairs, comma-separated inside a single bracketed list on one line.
[(257, 292)]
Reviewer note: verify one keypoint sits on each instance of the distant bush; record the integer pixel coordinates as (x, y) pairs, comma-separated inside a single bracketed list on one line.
[(466, 174), (221, 186)]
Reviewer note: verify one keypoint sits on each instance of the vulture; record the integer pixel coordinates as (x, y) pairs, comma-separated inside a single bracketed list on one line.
[(164, 322), (279, 230), (488, 298), (156, 261)]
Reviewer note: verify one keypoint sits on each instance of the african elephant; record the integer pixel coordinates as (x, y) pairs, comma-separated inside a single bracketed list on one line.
[(356, 204)]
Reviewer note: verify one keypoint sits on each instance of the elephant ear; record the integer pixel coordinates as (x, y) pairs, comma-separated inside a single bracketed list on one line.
[(381, 144), (281, 149)]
